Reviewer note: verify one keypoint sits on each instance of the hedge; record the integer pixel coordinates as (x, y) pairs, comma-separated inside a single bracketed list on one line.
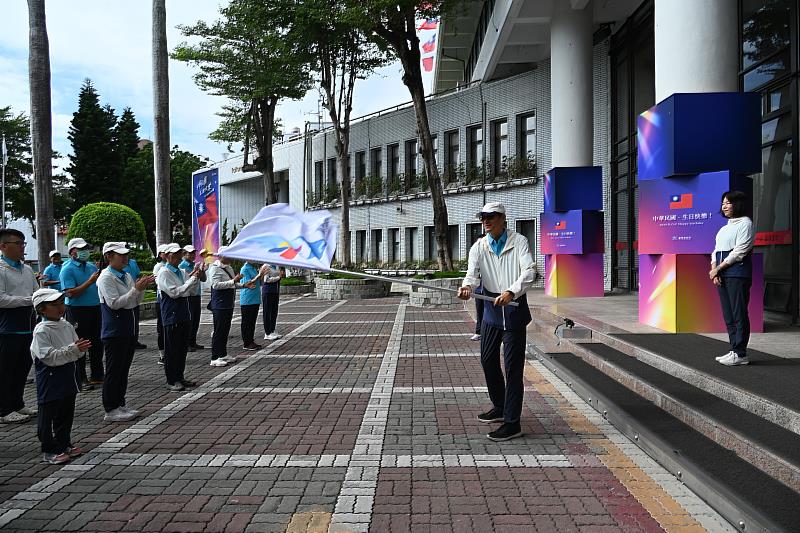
[(105, 221)]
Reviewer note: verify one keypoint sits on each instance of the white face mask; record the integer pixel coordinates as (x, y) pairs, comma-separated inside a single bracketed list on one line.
[(83, 255)]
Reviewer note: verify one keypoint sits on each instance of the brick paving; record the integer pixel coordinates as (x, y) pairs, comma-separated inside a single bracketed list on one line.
[(362, 418)]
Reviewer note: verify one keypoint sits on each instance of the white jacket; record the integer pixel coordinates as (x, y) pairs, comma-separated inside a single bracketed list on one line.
[(514, 270), (54, 343), (118, 293), (16, 286)]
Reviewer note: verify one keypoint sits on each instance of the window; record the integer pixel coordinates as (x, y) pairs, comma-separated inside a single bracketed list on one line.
[(330, 183), (318, 185), (526, 128), (375, 245), (475, 140), (411, 159), (435, 144), (474, 232), (431, 248), (527, 228), (451, 155), (452, 234), (412, 244), (394, 245), (499, 146), (349, 167), (377, 163), (361, 245), (393, 169), (361, 173)]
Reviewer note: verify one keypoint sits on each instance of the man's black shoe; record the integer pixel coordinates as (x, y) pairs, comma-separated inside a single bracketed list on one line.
[(86, 387), (495, 415), (506, 432), (188, 383), (140, 346), (191, 349), (198, 347)]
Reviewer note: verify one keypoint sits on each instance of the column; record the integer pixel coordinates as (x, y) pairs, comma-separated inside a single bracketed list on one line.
[(696, 46), (571, 85)]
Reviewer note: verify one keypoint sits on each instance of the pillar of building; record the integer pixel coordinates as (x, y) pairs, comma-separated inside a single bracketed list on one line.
[(696, 46), (571, 84)]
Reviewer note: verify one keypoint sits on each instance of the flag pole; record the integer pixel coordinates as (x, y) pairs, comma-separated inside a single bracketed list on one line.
[(5, 157), (414, 284)]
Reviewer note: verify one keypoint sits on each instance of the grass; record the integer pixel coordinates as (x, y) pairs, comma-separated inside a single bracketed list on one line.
[(291, 282), (336, 275)]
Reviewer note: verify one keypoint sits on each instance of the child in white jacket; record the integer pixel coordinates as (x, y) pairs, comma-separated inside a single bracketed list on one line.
[(55, 349)]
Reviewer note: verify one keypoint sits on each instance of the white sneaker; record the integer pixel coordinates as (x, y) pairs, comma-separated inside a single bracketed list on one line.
[(721, 357), (733, 359), (219, 362), (14, 418), (273, 336), (117, 415), (28, 411), (229, 359), (126, 409), (475, 337)]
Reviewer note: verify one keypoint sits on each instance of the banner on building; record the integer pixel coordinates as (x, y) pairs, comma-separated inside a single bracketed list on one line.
[(205, 214)]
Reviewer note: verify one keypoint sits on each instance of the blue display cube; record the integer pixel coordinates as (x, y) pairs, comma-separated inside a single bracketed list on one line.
[(700, 132), (571, 232), (573, 188)]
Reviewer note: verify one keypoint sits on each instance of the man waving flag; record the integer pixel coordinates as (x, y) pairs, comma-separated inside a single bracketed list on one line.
[(279, 235)]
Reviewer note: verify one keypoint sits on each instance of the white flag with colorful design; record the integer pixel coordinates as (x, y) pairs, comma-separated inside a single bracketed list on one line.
[(279, 235)]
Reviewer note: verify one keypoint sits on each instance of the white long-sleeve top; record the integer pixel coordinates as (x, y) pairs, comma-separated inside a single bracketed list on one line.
[(16, 286), (118, 293), (54, 343), (272, 274), (738, 237), (222, 277), (514, 270), (170, 283)]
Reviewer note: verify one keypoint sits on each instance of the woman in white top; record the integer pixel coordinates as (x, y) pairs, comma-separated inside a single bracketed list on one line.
[(732, 273)]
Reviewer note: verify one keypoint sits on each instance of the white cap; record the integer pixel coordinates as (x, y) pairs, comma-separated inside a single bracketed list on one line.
[(77, 242), (160, 249), (493, 207), (188, 248), (221, 251), (118, 247), (54, 252), (45, 295), (171, 248)]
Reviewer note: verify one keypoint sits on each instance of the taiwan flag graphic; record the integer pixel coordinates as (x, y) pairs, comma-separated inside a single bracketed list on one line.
[(680, 201), (430, 46), (561, 224), (205, 223)]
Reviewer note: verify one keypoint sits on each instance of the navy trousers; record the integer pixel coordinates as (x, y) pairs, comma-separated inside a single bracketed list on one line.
[(119, 356), (15, 362), (505, 393), (176, 344), (270, 302), (54, 424), (734, 296), (222, 328)]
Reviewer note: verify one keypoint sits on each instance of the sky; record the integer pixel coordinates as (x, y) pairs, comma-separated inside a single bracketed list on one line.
[(109, 41)]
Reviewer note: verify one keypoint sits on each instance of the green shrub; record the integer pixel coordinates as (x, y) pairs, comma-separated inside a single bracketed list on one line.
[(105, 221), (441, 275), (290, 282)]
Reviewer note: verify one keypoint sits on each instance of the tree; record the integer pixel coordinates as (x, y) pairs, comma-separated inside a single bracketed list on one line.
[(340, 54), (246, 57), (161, 121), (393, 25), (126, 146), (94, 167), (41, 127), (19, 173), (106, 221), (140, 197)]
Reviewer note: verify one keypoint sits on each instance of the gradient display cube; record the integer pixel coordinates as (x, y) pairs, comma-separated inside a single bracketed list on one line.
[(681, 215), (676, 295), (571, 232), (573, 276), (700, 132), (573, 188)]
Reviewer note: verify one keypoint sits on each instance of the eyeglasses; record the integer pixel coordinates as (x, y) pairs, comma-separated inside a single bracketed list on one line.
[(485, 216), (18, 243)]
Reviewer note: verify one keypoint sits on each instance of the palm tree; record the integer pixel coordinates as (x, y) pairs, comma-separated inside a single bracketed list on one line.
[(41, 128), (161, 155)]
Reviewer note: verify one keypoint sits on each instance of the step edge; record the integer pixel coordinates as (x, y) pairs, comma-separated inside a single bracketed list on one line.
[(732, 508)]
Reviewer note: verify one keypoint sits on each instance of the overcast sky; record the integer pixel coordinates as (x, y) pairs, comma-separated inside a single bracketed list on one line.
[(108, 41)]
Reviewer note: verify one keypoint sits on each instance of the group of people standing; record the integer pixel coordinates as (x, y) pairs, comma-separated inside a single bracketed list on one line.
[(78, 310)]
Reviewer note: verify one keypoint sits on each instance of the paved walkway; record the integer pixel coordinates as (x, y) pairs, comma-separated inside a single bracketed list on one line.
[(362, 418)]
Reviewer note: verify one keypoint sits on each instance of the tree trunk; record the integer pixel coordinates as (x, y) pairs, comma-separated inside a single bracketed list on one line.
[(342, 147), (406, 45), (263, 121), (41, 129), (161, 142)]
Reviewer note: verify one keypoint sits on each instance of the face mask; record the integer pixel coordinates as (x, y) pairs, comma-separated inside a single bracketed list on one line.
[(83, 255)]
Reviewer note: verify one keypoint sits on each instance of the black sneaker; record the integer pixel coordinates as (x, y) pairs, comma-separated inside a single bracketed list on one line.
[(140, 346), (505, 432), (495, 415)]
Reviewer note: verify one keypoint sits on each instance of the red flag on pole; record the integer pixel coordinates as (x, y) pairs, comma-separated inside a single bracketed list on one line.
[(430, 46), (429, 24), (427, 63)]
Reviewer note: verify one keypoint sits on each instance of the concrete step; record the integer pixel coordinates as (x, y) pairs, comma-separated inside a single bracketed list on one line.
[(745, 495)]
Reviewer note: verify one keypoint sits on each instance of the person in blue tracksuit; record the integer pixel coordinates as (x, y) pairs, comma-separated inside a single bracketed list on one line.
[(119, 295), (78, 281), (50, 277), (249, 302), (55, 349)]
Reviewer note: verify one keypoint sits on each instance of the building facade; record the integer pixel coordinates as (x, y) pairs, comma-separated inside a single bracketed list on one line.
[(526, 85)]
